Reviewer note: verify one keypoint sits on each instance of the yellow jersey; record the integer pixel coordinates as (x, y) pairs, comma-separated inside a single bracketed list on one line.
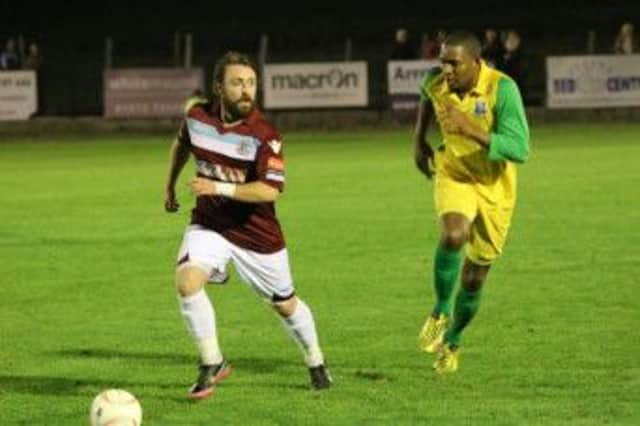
[(495, 105)]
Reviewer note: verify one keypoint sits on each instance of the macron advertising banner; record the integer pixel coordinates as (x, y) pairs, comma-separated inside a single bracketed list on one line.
[(403, 82), (18, 95), (593, 81), (315, 85), (149, 92)]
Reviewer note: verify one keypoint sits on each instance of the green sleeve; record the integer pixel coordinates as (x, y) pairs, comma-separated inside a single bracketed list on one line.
[(510, 137), (427, 80)]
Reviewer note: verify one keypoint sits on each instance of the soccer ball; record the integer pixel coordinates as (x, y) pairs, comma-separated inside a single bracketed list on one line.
[(115, 407)]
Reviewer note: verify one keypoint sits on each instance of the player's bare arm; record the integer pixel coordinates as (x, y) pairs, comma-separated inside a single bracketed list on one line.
[(179, 157), (252, 192), (422, 150)]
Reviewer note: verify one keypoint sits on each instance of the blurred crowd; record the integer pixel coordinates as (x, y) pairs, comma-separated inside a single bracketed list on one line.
[(16, 55), (500, 49)]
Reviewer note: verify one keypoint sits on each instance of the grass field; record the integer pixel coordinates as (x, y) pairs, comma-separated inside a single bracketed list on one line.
[(87, 300)]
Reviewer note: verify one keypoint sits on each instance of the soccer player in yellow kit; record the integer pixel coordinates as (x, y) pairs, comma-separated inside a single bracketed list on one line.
[(485, 133)]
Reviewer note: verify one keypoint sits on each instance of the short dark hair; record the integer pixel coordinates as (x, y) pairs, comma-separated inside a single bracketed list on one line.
[(465, 39), (230, 58)]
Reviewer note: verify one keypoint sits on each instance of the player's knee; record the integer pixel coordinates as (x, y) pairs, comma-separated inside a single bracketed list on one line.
[(189, 281), (473, 284), (454, 239), (473, 278), (285, 308), (187, 288)]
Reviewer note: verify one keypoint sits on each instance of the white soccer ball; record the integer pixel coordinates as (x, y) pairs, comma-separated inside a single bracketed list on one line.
[(115, 407)]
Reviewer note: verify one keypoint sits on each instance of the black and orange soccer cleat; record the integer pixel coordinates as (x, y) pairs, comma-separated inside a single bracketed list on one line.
[(209, 376)]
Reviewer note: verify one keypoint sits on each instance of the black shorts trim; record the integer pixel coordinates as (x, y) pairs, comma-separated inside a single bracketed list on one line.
[(277, 298)]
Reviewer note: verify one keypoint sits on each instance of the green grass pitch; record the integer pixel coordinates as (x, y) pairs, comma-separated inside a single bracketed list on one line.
[(87, 300)]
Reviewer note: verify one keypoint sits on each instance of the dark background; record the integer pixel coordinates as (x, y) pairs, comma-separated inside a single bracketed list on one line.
[(72, 35)]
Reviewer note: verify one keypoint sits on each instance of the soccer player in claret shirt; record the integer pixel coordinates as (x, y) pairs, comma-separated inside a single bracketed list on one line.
[(485, 132), (240, 173)]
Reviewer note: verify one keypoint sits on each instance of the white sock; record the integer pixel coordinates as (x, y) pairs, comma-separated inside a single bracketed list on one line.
[(200, 317), (302, 329)]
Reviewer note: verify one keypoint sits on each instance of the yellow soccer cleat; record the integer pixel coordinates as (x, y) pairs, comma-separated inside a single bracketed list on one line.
[(448, 359), (432, 332)]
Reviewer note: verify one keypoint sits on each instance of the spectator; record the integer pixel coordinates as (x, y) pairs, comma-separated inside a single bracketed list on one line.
[(511, 61), (433, 50), (491, 48), (33, 60), (402, 48), (9, 57), (624, 43), (425, 46)]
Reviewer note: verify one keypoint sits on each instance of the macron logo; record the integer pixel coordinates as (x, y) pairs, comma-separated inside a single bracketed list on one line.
[(275, 145)]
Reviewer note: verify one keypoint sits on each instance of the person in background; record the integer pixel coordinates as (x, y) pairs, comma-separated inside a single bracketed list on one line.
[(433, 52), (425, 45), (624, 42), (511, 61), (33, 60), (402, 48), (491, 47), (9, 59)]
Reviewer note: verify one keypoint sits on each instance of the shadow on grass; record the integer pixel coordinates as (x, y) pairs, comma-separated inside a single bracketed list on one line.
[(254, 365), (293, 368), (265, 365), (372, 376), (296, 384), (113, 354), (63, 386), (48, 385)]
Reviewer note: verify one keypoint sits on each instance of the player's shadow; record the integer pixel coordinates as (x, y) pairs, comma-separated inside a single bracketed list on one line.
[(173, 358), (291, 372), (374, 376), (48, 385), (264, 365), (255, 365), (299, 384)]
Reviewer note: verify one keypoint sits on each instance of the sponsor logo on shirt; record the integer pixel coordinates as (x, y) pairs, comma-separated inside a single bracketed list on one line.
[(221, 173)]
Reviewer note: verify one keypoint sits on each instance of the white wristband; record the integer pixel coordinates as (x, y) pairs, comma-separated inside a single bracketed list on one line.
[(225, 189)]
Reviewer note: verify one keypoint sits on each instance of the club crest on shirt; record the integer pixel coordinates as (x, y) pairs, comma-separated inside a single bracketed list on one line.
[(480, 107), (244, 147), (275, 145)]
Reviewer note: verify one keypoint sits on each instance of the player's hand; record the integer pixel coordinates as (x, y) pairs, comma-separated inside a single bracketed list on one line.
[(424, 158), (456, 121), (201, 186), (171, 204)]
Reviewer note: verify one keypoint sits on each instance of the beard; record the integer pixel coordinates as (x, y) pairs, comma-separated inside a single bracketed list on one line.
[(236, 110)]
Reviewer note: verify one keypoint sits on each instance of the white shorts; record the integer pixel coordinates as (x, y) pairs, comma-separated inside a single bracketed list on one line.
[(268, 274)]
